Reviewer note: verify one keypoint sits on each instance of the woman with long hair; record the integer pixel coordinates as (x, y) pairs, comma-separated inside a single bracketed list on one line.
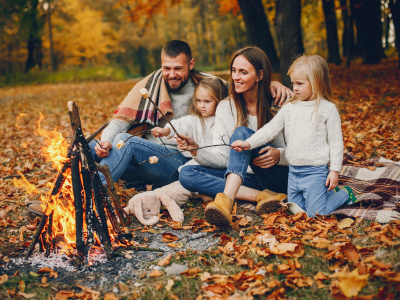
[(245, 110)]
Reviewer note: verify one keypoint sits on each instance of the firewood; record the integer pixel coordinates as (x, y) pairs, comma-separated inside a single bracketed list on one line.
[(77, 190), (49, 235), (89, 207)]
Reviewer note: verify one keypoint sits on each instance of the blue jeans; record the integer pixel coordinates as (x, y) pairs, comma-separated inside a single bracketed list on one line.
[(211, 181), (307, 189), (137, 150)]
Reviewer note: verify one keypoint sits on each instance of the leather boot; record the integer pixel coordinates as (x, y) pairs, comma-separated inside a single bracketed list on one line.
[(269, 202), (36, 208), (218, 213)]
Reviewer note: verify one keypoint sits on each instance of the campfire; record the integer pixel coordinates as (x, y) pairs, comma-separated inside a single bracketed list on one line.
[(80, 212)]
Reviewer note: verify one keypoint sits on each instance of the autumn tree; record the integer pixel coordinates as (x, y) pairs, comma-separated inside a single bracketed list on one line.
[(394, 6), (288, 29), (332, 39)]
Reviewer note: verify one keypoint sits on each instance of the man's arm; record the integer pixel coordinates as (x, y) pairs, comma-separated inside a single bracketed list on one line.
[(280, 93)]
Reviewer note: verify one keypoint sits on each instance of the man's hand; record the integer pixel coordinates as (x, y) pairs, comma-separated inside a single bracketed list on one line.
[(332, 180), (280, 92), (159, 132), (186, 143), (269, 159), (106, 149), (240, 145)]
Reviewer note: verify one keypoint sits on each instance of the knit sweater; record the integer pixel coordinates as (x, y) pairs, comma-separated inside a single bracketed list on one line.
[(224, 126), (192, 126), (180, 100), (314, 138)]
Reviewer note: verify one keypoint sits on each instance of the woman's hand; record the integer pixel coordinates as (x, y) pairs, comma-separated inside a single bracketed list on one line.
[(269, 159), (187, 143), (104, 150), (332, 180), (280, 92), (159, 132), (240, 145)]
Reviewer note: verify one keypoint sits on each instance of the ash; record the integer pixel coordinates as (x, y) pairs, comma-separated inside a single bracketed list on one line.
[(103, 273)]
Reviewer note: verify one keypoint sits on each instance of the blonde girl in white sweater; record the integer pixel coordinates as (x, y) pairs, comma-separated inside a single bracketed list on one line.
[(312, 128)]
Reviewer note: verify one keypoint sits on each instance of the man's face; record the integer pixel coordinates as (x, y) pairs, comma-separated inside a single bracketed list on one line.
[(175, 71)]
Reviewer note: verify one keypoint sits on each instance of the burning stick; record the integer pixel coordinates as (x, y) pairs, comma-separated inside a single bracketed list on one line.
[(49, 235), (145, 94), (77, 189)]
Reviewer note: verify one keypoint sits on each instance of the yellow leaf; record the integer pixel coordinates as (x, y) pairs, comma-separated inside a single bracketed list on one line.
[(351, 284), (3, 278), (21, 286), (169, 285), (345, 223)]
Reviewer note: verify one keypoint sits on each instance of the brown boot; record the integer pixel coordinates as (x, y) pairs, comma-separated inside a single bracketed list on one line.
[(218, 213), (269, 202), (36, 208)]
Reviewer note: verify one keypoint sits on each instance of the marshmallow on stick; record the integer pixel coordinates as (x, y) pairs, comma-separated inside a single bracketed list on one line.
[(153, 159), (145, 93)]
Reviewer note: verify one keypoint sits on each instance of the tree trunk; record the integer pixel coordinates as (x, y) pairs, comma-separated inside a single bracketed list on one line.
[(204, 43), (288, 29), (34, 42), (258, 32), (369, 29), (141, 56), (52, 57), (332, 39), (348, 31), (395, 10)]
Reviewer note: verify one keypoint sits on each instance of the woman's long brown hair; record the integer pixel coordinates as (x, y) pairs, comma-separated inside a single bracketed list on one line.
[(259, 60)]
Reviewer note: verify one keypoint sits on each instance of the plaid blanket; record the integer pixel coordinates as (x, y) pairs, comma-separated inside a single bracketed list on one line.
[(138, 110), (376, 183)]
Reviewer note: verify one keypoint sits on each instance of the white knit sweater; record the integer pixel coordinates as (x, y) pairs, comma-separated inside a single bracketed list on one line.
[(314, 138), (225, 125), (192, 126)]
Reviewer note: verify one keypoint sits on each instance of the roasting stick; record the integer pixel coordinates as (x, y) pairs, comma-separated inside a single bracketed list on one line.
[(145, 93)]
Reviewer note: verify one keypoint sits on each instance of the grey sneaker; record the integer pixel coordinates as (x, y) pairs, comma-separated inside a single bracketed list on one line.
[(35, 207)]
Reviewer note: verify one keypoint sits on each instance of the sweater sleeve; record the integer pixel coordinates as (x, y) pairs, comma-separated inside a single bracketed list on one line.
[(183, 125), (115, 127), (218, 157), (269, 131), (335, 139)]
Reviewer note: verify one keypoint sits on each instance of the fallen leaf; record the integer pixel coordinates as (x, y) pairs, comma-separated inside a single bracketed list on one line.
[(320, 276), (45, 270), (345, 223), (169, 285), (110, 296), (205, 276), (3, 278), (173, 297), (165, 261), (44, 279), (352, 283), (64, 295), (169, 237), (26, 296), (156, 273), (21, 285)]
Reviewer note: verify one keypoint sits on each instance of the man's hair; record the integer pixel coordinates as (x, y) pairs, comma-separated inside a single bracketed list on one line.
[(175, 47)]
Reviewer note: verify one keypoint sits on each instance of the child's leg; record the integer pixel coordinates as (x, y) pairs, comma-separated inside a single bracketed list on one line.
[(334, 200), (313, 183), (295, 194)]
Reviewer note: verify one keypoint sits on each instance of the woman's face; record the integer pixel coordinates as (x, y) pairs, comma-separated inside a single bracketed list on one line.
[(244, 75)]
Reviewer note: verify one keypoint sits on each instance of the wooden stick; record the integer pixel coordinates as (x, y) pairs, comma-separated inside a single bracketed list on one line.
[(94, 134), (109, 208), (89, 207), (49, 235), (165, 117), (36, 236), (77, 190), (104, 237)]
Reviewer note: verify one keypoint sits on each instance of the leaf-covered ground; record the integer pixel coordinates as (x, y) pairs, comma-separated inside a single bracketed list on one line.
[(276, 256)]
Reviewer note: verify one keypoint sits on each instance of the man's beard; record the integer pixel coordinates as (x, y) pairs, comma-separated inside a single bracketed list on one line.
[(170, 89)]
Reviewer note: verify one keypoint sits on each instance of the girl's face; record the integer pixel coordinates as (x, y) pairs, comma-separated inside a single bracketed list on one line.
[(206, 104), (301, 86), (244, 75)]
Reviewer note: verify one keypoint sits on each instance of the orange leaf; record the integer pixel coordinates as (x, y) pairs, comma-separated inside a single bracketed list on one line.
[(156, 273), (165, 261)]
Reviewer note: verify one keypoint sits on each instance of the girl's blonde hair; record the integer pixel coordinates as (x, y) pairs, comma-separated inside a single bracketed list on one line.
[(316, 71), (214, 88)]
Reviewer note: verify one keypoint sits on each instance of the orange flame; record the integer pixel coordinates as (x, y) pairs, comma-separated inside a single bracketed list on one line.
[(30, 188)]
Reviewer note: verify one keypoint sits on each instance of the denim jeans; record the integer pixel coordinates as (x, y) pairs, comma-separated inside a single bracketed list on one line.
[(307, 189), (137, 150), (211, 181)]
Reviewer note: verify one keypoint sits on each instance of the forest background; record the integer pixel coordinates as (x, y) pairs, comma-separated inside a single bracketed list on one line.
[(75, 40)]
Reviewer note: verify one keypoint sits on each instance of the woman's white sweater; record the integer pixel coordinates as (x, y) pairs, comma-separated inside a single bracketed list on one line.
[(192, 126), (313, 137), (225, 125)]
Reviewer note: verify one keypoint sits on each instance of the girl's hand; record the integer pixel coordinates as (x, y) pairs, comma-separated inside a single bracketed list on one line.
[(240, 145), (104, 150), (186, 143), (159, 132), (269, 159), (332, 180)]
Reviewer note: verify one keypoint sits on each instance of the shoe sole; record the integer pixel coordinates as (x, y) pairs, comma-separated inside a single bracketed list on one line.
[(216, 217), (269, 207), (36, 213)]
